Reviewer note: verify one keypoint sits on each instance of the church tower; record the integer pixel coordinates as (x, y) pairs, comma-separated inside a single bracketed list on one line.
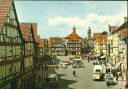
[(89, 33)]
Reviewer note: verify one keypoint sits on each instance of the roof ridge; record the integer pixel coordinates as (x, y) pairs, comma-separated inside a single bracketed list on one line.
[(5, 6)]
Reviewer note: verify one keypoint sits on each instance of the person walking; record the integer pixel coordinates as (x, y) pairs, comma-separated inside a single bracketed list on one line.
[(74, 73), (117, 76), (88, 58), (126, 86)]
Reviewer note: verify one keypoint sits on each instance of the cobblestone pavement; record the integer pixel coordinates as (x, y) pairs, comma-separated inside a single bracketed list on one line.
[(121, 84), (82, 81)]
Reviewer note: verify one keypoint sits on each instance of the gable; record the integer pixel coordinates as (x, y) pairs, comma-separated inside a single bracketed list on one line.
[(11, 16), (26, 30), (4, 8), (10, 27)]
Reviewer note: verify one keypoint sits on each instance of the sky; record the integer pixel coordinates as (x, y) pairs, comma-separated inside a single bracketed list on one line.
[(57, 18)]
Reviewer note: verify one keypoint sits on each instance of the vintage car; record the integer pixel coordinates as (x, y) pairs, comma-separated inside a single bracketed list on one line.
[(95, 63), (98, 72), (109, 80)]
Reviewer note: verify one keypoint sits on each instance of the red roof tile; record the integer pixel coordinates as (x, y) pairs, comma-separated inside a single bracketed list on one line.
[(104, 39), (41, 43), (124, 33), (26, 27), (123, 26), (52, 40), (34, 25), (4, 9), (113, 28), (101, 39), (73, 36), (96, 35), (38, 38)]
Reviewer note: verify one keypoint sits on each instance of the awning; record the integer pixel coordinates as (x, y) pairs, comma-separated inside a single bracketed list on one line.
[(77, 59), (103, 56), (52, 76)]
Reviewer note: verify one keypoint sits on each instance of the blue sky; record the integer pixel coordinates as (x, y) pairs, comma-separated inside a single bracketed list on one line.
[(56, 18)]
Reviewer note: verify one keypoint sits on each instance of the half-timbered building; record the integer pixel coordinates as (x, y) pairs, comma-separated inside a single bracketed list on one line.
[(73, 43), (58, 49), (29, 53), (10, 46)]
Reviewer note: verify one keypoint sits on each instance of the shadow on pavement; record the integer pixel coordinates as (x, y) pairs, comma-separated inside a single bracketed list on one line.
[(64, 83)]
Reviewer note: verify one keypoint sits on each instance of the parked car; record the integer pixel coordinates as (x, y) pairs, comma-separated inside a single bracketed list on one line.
[(95, 63), (109, 80)]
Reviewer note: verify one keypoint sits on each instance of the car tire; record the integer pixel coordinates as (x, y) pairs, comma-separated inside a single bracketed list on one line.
[(107, 85)]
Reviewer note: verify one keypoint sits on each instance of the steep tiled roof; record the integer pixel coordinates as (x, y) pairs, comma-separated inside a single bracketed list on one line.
[(123, 26), (41, 43), (104, 39), (25, 29), (52, 40), (113, 28), (124, 29), (100, 39), (38, 38), (34, 26), (73, 36), (4, 9), (96, 35), (124, 33)]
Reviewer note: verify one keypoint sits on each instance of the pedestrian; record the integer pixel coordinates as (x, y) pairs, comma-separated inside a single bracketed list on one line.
[(126, 86), (117, 76), (108, 70), (88, 59), (74, 73), (113, 72)]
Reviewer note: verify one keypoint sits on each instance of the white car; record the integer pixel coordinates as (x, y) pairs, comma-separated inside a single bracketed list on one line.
[(97, 72)]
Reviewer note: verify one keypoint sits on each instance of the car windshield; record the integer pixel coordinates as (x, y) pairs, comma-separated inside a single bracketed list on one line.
[(98, 70), (110, 78)]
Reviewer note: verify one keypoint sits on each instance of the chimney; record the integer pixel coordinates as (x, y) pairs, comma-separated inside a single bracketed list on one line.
[(125, 19), (74, 30)]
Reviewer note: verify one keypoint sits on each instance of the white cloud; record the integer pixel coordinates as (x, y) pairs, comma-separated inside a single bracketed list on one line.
[(99, 22)]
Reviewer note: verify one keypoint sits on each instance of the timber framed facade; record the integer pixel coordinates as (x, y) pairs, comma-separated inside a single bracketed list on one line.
[(58, 49), (28, 54), (10, 46)]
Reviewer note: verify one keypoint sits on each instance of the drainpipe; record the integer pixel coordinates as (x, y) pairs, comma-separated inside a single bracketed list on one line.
[(127, 58), (118, 49), (127, 51)]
